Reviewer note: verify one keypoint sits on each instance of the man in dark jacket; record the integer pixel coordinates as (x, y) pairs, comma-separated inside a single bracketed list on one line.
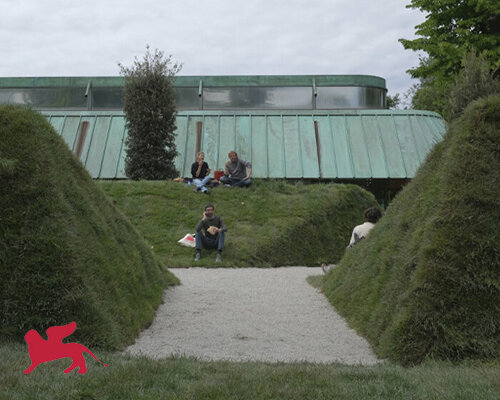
[(214, 236)]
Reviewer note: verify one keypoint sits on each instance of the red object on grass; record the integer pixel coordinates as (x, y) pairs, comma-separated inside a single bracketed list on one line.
[(218, 175)]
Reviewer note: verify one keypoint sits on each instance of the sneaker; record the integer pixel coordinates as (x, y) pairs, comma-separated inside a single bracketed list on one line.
[(197, 257), (206, 192), (326, 268), (218, 257), (227, 185)]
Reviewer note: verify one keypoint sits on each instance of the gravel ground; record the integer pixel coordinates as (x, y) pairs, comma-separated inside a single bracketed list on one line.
[(251, 314)]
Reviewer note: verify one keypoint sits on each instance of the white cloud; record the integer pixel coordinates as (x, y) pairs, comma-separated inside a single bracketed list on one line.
[(211, 37)]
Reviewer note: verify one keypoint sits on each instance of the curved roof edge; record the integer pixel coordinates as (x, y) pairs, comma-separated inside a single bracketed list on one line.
[(339, 112), (211, 81)]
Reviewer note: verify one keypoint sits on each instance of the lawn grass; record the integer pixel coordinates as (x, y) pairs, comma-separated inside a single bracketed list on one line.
[(273, 218), (425, 283), (181, 378), (270, 224)]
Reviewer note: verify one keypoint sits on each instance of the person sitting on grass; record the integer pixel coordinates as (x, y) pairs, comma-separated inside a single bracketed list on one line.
[(200, 173), (371, 216), (237, 171), (215, 233)]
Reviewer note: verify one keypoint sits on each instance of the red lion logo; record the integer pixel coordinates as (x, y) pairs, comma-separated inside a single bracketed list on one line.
[(41, 351)]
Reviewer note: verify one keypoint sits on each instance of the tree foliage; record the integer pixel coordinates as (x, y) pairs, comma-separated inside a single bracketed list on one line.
[(150, 111), (474, 80), (393, 102), (452, 29)]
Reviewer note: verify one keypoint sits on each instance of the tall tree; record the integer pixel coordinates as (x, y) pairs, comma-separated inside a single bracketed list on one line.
[(451, 30), (150, 111)]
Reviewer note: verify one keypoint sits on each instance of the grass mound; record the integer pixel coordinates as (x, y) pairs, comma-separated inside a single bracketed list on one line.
[(425, 284), (270, 224), (66, 254)]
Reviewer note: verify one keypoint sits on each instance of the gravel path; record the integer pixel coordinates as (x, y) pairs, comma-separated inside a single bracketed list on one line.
[(248, 314)]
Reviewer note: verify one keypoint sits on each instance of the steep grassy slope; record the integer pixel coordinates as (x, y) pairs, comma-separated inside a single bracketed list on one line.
[(272, 223), (66, 254), (426, 281)]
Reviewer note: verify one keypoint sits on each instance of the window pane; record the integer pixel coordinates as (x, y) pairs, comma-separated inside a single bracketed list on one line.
[(70, 98), (349, 97), (187, 98), (107, 98), (257, 98)]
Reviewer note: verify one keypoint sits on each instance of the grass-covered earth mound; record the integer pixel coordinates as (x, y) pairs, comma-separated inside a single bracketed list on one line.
[(270, 224), (425, 283), (66, 254)]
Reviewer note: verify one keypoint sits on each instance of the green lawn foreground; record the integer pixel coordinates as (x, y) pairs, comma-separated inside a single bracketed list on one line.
[(270, 224), (181, 378)]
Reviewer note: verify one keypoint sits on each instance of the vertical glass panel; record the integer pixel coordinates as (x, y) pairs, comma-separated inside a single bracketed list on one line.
[(107, 98), (257, 98), (187, 98)]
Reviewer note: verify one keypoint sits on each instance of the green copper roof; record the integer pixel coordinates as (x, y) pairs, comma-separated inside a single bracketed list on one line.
[(351, 144)]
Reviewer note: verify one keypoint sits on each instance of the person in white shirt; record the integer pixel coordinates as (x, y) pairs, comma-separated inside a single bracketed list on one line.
[(371, 215)]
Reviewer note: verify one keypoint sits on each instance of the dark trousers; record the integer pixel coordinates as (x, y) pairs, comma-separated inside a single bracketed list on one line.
[(216, 242), (226, 180)]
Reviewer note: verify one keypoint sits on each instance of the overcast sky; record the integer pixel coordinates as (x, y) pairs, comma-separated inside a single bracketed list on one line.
[(210, 37)]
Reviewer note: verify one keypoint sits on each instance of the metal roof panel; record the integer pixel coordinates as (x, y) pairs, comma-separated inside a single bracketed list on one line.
[(391, 145), (259, 147), (294, 144), (291, 147), (376, 154)]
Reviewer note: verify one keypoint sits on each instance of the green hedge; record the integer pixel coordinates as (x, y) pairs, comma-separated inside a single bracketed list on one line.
[(425, 284), (66, 254)]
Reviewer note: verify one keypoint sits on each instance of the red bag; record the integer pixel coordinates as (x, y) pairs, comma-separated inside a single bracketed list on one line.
[(188, 240)]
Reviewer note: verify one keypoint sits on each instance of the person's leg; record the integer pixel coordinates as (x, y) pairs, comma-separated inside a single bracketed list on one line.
[(226, 180), (220, 246), (197, 183), (244, 183), (201, 241), (198, 241), (206, 181), (221, 237), (202, 183)]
